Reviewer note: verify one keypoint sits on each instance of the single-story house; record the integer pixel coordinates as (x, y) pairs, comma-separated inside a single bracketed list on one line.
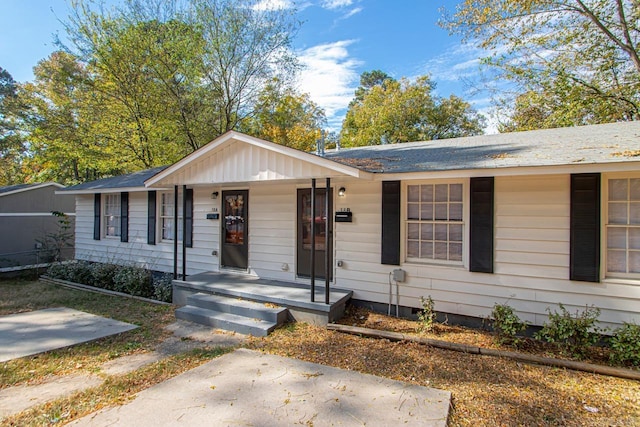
[(26, 219), (531, 219)]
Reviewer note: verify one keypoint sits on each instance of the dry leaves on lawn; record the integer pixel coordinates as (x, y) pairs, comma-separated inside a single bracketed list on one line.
[(486, 390)]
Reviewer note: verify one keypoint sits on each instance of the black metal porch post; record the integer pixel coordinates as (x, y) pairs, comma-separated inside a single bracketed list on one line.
[(313, 239), (175, 232), (184, 232), (327, 240)]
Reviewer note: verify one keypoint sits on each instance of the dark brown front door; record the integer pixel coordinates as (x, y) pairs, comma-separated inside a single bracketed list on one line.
[(324, 237), (234, 238)]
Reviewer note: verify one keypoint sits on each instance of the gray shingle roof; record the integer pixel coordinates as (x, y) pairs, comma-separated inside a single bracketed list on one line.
[(132, 180), (16, 187), (608, 143), (26, 187)]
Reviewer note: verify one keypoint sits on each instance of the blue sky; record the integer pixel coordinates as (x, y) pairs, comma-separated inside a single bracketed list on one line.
[(339, 39)]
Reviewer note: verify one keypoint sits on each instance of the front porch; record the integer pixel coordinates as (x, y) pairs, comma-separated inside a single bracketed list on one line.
[(216, 299)]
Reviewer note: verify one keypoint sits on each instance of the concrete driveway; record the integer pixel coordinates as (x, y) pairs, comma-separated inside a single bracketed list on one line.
[(248, 388), (34, 332)]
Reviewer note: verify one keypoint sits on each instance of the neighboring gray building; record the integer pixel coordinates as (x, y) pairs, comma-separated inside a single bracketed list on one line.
[(26, 218)]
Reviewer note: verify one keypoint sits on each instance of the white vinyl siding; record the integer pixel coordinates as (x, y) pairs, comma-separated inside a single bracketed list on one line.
[(137, 250), (531, 241), (272, 230)]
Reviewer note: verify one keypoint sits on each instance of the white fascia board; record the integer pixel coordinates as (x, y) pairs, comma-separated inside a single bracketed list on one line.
[(513, 171), (287, 151), (31, 214)]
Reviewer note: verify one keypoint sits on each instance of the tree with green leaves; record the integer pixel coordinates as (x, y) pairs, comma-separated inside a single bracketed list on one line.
[(287, 118), (11, 139), (388, 110), (246, 47), (146, 82), (369, 80), (60, 115), (572, 62)]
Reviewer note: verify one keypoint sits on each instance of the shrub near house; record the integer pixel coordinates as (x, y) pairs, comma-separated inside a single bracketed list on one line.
[(130, 279)]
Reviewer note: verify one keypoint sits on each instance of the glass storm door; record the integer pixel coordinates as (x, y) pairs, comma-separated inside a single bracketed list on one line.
[(234, 237), (324, 238)]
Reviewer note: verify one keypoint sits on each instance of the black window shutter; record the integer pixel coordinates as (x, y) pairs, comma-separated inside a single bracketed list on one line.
[(151, 218), (124, 216), (585, 227), (390, 250), (481, 224), (96, 216), (188, 215)]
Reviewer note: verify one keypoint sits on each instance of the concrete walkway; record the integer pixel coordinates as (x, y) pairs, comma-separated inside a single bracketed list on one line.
[(253, 389), (186, 336), (240, 388), (34, 332)]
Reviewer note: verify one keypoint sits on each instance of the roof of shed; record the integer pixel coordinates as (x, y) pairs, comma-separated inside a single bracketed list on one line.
[(10, 189), (131, 180), (607, 143)]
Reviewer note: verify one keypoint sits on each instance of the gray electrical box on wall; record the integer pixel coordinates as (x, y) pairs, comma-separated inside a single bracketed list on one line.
[(399, 275)]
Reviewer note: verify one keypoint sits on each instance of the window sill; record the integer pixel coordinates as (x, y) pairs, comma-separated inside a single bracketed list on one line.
[(424, 263), (621, 281)]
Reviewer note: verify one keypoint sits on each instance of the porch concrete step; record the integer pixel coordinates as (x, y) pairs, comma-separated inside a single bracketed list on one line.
[(240, 307), (226, 321)]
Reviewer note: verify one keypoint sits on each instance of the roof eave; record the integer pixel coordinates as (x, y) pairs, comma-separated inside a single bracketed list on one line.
[(586, 167)]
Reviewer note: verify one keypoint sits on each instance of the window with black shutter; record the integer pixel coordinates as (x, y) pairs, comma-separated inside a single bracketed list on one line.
[(151, 218), (481, 224), (124, 217), (97, 213), (585, 227), (390, 250)]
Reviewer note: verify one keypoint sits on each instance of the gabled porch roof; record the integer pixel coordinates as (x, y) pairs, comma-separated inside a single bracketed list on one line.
[(235, 157)]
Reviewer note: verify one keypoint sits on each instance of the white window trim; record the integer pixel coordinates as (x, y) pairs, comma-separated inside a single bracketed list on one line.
[(604, 221), (160, 216), (103, 220), (465, 225)]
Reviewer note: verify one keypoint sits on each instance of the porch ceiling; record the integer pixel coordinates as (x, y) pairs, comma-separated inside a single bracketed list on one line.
[(235, 157)]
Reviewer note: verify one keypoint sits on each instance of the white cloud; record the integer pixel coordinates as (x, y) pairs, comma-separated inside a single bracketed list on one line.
[(336, 4), (330, 78), (264, 5), (351, 13), (457, 63)]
